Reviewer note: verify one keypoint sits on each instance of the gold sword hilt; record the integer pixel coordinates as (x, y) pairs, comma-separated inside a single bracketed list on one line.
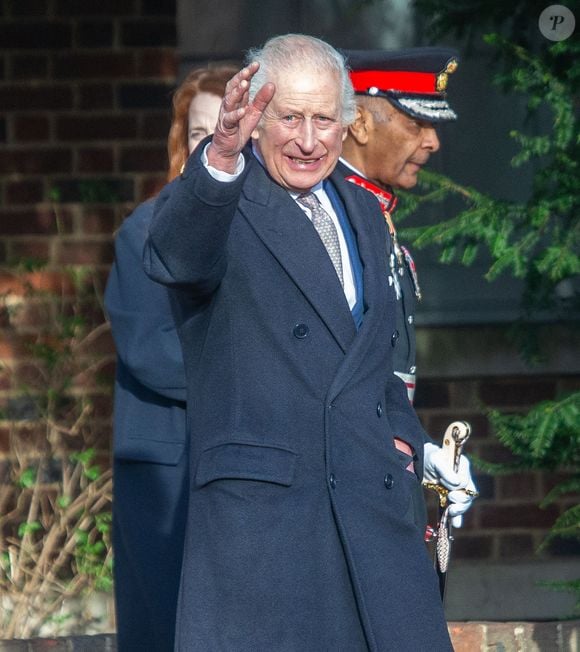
[(454, 439)]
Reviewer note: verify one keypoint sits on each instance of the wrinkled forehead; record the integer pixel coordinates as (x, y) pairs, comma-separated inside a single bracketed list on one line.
[(311, 87)]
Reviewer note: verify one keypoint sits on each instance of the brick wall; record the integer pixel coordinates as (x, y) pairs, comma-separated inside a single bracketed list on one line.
[(84, 114), (505, 523)]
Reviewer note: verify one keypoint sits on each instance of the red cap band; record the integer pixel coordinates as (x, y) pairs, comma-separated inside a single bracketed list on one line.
[(403, 81)]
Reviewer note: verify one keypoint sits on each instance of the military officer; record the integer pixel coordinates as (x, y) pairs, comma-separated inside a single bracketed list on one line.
[(401, 96)]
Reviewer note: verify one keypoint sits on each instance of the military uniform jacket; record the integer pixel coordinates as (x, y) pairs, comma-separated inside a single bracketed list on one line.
[(300, 533), (401, 274)]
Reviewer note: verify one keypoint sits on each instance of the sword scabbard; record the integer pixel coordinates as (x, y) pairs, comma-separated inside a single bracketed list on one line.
[(454, 439)]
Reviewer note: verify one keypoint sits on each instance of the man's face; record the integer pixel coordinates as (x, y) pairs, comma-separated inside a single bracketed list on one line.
[(399, 146), (300, 135)]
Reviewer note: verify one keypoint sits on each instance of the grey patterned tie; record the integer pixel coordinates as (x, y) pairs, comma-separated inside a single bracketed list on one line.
[(326, 230)]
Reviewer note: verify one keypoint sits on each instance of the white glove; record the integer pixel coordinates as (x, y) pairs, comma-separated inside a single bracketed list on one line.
[(438, 470)]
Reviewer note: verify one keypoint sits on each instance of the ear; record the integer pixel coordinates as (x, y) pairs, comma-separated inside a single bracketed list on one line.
[(361, 128)]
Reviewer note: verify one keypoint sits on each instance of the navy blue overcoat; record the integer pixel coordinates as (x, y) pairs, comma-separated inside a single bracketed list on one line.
[(300, 533), (149, 446)]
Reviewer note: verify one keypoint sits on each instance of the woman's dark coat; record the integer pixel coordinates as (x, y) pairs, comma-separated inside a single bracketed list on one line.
[(149, 447)]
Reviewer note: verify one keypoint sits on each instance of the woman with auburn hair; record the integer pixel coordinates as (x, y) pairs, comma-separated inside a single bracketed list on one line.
[(195, 109), (150, 446)]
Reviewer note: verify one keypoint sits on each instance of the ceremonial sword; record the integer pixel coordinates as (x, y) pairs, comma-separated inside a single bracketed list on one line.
[(454, 439)]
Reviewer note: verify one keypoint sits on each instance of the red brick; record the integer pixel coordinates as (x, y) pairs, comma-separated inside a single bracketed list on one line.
[(157, 63), (35, 35), (146, 96), (432, 394), (83, 252), (39, 221), (96, 159), (31, 128), (493, 452), (568, 384), (37, 160), (520, 485), (517, 393), (27, 191), (471, 546), (28, 67), (155, 33), (155, 125), (94, 33), (18, 8), (95, 221), (549, 480), (467, 637), (44, 97), (102, 127), (96, 95), (43, 280), (516, 546), (523, 515), (156, 8), (96, 65), (96, 190), (150, 187), (95, 8), (37, 249), (143, 158), (486, 485)]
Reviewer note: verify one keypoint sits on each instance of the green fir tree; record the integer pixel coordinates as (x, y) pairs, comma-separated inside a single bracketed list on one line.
[(536, 240)]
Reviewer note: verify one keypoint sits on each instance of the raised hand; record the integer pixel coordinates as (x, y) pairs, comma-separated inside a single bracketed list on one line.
[(238, 117)]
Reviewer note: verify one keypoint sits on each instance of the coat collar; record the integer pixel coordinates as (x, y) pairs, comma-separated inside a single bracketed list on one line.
[(292, 240)]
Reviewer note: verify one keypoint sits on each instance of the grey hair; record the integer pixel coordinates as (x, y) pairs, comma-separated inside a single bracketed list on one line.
[(376, 106), (292, 51)]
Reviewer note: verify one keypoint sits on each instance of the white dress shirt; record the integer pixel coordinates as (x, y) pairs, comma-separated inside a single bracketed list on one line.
[(318, 190)]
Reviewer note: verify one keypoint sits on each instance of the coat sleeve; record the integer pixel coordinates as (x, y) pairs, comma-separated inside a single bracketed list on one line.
[(140, 313), (186, 247)]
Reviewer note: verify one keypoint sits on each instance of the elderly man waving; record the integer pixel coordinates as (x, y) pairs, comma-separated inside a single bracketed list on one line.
[(300, 531)]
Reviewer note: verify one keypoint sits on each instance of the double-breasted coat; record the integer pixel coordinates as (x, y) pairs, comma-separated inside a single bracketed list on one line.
[(300, 533)]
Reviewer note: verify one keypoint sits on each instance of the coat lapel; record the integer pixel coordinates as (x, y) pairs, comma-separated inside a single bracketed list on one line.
[(293, 241), (369, 227)]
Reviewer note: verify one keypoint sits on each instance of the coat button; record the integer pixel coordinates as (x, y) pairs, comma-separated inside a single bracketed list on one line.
[(389, 481), (410, 319), (394, 338), (332, 480), (301, 331), (379, 410)]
